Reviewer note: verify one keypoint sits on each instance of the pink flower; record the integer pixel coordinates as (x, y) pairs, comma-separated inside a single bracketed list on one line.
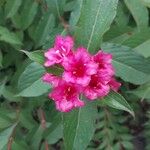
[(79, 67), (64, 43), (66, 96), (61, 49), (96, 88), (104, 61), (114, 84), (83, 73), (51, 79)]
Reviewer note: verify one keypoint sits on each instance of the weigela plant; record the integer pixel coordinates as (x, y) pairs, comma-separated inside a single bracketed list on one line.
[(83, 74)]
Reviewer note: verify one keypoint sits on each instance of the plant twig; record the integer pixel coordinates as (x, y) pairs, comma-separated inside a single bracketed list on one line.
[(11, 138), (10, 143), (64, 23), (43, 124)]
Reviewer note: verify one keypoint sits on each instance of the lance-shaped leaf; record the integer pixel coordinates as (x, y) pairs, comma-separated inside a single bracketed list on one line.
[(9, 37), (137, 38), (115, 100), (30, 83), (96, 18), (26, 16), (143, 91), (129, 65), (78, 127), (12, 7), (143, 49), (41, 31), (55, 131), (5, 134), (56, 7), (139, 12), (75, 14), (37, 56)]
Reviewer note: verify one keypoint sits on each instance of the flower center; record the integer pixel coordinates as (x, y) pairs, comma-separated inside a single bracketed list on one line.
[(79, 69), (69, 92)]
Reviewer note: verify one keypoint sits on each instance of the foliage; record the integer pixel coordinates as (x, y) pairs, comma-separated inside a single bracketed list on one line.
[(28, 28)]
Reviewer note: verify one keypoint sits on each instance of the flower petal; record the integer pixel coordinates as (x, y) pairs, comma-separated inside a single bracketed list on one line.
[(50, 78), (91, 68), (90, 94), (67, 76), (114, 84), (84, 81), (64, 105)]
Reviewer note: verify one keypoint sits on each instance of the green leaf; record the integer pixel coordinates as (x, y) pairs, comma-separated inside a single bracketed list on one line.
[(137, 38), (143, 91), (127, 36), (55, 135), (5, 134), (9, 93), (75, 14), (25, 18), (78, 127), (139, 12), (120, 39), (122, 17), (37, 56), (5, 121), (12, 7), (1, 58), (146, 3), (143, 49), (128, 145), (26, 119), (30, 83), (10, 113), (20, 145), (95, 19), (28, 13), (115, 100), (69, 6), (116, 31), (55, 131), (56, 7), (37, 137), (130, 66), (43, 29), (9, 37)]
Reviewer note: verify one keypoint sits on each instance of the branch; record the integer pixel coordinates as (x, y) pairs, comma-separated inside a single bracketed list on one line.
[(10, 143), (65, 24), (43, 124), (11, 138)]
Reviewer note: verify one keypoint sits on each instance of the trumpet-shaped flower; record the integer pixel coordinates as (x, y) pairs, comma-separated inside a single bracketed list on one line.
[(97, 88), (79, 67), (61, 49), (104, 61), (66, 96)]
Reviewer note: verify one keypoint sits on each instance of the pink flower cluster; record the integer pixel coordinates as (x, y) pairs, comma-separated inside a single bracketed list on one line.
[(91, 76)]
